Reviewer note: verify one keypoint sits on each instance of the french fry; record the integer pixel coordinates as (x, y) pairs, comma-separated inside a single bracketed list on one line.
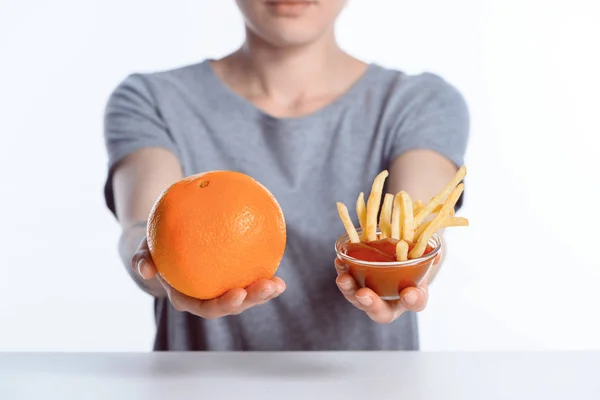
[(407, 227), (361, 212), (401, 251), (421, 227), (373, 204), (439, 198), (447, 223), (439, 207), (419, 231), (385, 216), (417, 205), (396, 211), (455, 221), (412, 223), (347, 221), (435, 224)]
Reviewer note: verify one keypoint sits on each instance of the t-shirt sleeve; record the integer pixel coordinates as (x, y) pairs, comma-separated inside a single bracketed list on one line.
[(432, 115), (132, 121)]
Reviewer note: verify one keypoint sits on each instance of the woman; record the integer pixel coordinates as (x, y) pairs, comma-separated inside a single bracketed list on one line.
[(314, 125)]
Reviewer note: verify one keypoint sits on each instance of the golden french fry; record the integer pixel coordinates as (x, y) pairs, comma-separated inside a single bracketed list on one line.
[(373, 205), (385, 216), (439, 198), (396, 211), (435, 224), (407, 227), (347, 221), (419, 231), (401, 251), (455, 221), (361, 212), (447, 223), (438, 208), (417, 205)]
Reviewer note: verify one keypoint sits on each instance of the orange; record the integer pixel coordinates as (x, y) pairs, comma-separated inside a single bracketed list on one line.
[(216, 231)]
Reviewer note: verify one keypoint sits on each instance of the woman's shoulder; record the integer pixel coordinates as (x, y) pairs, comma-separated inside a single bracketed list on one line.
[(166, 79), (400, 87), (402, 82)]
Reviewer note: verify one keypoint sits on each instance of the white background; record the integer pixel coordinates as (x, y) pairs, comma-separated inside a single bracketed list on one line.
[(525, 275)]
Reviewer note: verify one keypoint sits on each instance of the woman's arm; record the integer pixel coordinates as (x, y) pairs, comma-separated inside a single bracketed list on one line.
[(138, 180), (422, 174)]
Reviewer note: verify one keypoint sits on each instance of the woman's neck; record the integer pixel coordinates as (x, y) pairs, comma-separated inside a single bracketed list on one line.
[(299, 78)]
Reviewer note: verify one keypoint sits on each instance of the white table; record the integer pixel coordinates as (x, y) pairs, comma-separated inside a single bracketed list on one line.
[(339, 375)]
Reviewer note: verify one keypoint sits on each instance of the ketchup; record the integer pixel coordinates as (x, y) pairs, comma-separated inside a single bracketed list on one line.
[(382, 250)]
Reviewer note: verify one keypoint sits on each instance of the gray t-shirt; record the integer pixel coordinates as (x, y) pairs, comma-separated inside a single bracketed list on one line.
[(308, 163)]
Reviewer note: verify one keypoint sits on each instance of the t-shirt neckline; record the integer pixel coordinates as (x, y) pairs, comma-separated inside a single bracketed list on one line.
[(252, 111)]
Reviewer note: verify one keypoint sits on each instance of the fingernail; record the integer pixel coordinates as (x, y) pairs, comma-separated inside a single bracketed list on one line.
[(265, 293), (365, 301), (141, 266), (238, 300), (346, 284), (410, 298)]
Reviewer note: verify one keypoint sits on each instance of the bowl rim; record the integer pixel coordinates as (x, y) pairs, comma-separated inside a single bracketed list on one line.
[(435, 242)]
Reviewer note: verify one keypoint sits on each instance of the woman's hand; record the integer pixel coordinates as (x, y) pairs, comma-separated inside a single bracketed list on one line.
[(379, 310), (233, 302)]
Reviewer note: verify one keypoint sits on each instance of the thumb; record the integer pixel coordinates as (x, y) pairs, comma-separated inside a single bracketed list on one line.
[(141, 262)]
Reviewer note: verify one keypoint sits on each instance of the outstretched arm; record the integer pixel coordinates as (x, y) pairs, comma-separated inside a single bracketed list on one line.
[(422, 174), (138, 180)]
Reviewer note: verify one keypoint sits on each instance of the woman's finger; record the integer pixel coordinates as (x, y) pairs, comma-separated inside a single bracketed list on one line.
[(143, 265), (259, 292), (146, 268), (178, 300), (233, 302), (415, 298), (279, 288), (347, 285), (379, 310), (279, 285), (227, 304), (141, 262), (340, 267)]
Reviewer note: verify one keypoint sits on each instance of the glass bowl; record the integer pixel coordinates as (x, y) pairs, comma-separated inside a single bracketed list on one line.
[(388, 279)]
